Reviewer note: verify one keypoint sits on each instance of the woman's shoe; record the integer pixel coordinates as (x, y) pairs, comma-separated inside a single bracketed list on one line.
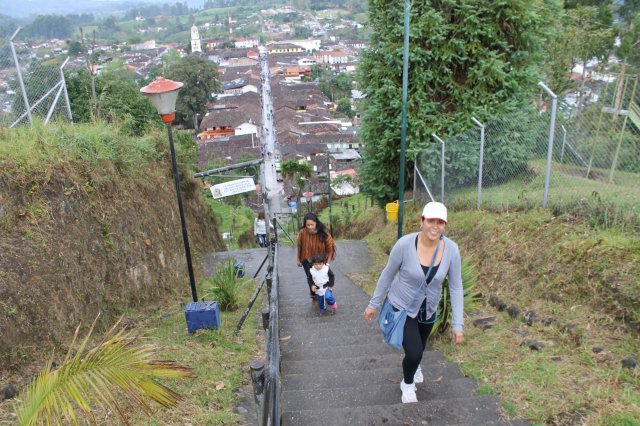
[(408, 392), (418, 377)]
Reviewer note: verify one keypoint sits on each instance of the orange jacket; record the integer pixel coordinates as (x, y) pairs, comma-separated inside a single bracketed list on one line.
[(310, 244)]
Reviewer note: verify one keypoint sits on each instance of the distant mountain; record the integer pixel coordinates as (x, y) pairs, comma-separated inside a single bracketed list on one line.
[(30, 8)]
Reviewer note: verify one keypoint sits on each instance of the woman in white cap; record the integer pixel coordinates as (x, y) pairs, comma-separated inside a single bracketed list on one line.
[(408, 263)]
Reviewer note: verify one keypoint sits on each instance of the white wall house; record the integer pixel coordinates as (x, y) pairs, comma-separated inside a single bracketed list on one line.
[(246, 43), (246, 129)]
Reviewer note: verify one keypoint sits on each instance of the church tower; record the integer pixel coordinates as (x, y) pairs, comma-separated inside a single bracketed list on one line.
[(196, 47)]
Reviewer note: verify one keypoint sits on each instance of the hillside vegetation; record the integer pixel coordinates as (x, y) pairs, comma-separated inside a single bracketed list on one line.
[(89, 224), (581, 282)]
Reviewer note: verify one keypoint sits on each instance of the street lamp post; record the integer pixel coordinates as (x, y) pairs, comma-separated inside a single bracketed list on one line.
[(163, 94)]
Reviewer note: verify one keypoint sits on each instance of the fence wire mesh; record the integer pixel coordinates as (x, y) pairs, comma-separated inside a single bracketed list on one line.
[(31, 83), (595, 156)]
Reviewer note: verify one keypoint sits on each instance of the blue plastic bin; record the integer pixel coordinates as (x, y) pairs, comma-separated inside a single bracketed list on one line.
[(202, 315)]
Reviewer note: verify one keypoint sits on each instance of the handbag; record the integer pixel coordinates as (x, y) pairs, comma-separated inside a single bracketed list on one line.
[(391, 320)]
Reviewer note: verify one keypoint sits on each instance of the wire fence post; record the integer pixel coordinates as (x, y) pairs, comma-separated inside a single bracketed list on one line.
[(564, 142), (481, 126), (19, 73), (64, 88), (552, 128), (441, 168)]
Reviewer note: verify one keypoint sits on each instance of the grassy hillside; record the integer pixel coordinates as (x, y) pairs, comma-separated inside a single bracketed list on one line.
[(560, 267), (89, 224)]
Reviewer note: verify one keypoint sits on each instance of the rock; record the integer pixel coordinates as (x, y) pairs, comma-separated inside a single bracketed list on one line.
[(514, 312), (8, 392), (534, 345), (604, 357), (596, 349), (630, 362), (556, 358), (241, 410), (520, 332), (530, 318), (497, 303), (473, 312), (569, 327), (482, 321), (148, 243), (550, 321)]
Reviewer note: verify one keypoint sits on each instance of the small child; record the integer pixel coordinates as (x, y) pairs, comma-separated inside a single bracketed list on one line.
[(323, 279)]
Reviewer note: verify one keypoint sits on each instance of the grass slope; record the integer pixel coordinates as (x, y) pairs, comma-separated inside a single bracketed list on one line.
[(559, 268)]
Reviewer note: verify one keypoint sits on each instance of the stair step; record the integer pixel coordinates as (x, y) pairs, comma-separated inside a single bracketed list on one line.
[(480, 410), (328, 320), (365, 362), (312, 341), (381, 394), (336, 352), (313, 313), (327, 379), (307, 330)]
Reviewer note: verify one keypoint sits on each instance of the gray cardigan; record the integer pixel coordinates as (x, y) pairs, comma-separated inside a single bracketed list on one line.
[(403, 275)]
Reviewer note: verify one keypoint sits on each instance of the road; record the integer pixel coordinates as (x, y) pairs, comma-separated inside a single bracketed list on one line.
[(270, 151)]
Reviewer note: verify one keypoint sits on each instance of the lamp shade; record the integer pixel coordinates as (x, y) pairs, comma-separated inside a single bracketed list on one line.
[(163, 94)]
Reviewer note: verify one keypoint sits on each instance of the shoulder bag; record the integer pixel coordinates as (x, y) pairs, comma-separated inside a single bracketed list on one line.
[(391, 320)]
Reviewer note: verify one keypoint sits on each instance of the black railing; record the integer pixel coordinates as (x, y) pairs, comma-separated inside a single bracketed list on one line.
[(271, 401)]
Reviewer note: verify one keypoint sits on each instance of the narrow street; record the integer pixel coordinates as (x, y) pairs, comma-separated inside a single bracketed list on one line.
[(270, 151)]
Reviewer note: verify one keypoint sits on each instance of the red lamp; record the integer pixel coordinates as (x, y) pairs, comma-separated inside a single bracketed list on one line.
[(163, 94)]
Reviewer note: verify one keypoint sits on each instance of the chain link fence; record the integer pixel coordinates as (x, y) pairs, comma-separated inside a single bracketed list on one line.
[(509, 162), (32, 82)]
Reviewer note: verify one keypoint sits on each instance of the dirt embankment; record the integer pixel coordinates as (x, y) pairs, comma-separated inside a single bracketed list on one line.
[(73, 245)]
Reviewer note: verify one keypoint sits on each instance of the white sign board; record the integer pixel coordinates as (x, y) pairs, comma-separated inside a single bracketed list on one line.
[(233, 187)]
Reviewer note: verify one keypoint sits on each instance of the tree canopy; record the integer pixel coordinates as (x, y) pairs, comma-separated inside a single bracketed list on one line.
[(466, 58), (200, 78)]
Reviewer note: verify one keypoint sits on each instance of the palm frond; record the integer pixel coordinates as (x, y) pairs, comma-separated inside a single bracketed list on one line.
[(445, 314), (116, 369)]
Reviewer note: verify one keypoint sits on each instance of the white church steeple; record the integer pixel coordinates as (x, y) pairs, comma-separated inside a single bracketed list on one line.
[(195, 40)]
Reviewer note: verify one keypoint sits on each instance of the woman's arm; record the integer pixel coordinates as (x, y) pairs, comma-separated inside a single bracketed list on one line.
[(388, 274), (332, 278), (456, 291)]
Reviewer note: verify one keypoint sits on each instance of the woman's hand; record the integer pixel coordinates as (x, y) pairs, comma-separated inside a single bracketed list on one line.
[(458, 337), (299, 264), (370, 313)]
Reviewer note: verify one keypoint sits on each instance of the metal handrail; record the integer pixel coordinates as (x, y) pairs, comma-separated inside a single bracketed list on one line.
[(271, 407)]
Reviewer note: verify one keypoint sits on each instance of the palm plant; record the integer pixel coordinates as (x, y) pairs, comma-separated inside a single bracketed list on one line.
[(114, 371), (445, 314), (224, 286)]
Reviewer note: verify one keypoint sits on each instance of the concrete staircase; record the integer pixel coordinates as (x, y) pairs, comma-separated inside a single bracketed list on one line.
[(337, 370)]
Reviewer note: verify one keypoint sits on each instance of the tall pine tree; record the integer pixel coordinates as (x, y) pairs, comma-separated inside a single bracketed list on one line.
[(466, 58)]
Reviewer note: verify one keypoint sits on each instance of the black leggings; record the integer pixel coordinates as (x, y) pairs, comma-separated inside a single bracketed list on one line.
[(414, 342)]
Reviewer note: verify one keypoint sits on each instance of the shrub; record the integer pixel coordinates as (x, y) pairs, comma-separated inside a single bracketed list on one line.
[(224, 286)]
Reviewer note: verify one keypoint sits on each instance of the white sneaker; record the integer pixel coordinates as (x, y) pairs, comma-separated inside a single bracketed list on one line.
[(408, 392), (418, 377)]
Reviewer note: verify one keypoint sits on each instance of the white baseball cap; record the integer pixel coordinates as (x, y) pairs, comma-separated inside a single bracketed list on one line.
[(435, 210)]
